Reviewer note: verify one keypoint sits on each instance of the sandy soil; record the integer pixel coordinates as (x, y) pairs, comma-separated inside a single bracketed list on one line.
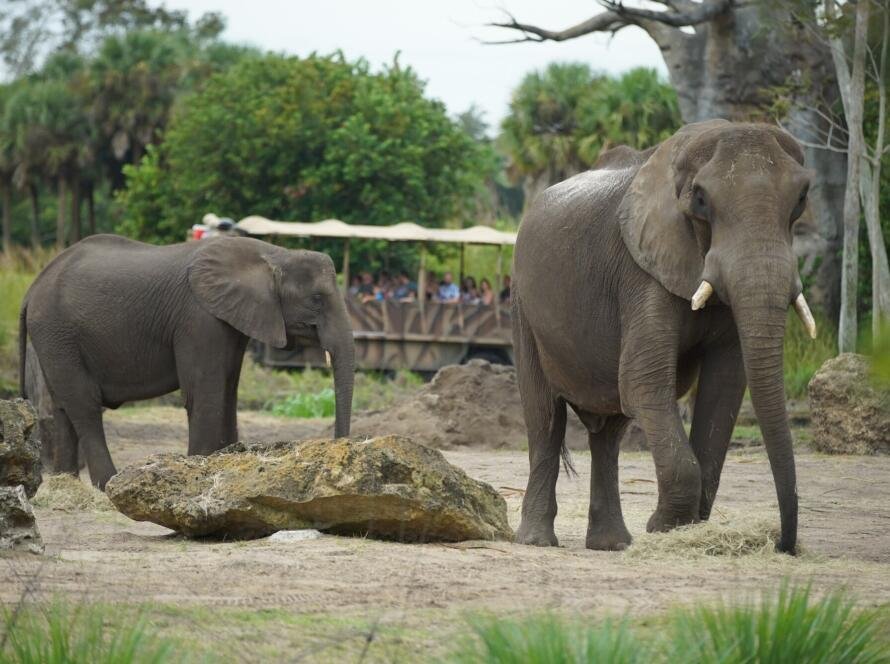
[(103, 556)]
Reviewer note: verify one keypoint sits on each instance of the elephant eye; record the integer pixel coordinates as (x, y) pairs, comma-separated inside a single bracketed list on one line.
[(316, 298), (699, 203), (801, 204)]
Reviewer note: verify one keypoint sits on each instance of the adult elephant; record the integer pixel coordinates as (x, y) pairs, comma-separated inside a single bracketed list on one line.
[(114, 320), (605, 268)]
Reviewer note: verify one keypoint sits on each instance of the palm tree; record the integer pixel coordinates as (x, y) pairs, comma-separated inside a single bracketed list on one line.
[(562, 118), (7, 169)]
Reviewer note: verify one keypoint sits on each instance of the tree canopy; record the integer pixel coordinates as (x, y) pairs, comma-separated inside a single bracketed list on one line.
[(305, 139)]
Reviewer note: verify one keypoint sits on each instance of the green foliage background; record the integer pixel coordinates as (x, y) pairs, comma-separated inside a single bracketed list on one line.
[(305, 139)]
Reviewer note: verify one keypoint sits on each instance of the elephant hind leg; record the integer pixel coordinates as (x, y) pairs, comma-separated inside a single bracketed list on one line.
[(545, 420), (605, 522), (60, 445), (78, 411)]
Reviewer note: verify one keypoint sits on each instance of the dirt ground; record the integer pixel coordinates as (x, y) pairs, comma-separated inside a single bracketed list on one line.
[(335, 596)]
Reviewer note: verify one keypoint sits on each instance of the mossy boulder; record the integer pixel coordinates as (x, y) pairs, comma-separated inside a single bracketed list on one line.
[(387, 487), (19, 446), (18, 529), (850, 407)]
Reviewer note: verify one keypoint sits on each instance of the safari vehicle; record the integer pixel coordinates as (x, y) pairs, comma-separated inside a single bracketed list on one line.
[(421, 335)]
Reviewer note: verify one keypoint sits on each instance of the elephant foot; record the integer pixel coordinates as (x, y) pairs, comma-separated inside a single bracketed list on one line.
[(535, 534), (99, 480), (607, 536), (662, 522)]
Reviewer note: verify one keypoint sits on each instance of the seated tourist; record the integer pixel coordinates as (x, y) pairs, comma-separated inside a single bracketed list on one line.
[(448, 290), (431, 286), (486, 294), (354, 285), (405, 290), (367, 290), (505, 293), (469, 294)]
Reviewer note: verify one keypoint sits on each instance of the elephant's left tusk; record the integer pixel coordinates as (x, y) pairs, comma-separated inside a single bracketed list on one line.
[(705, 290), (806, 316)]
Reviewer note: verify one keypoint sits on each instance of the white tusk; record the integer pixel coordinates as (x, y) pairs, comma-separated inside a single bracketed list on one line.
[(701, 295), (806, 316)]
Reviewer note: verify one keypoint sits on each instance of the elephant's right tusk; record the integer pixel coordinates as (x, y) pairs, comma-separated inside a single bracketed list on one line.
[(806, 316), (701, 295)]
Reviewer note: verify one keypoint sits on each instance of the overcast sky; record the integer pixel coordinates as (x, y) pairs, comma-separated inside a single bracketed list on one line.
[(438, 39)]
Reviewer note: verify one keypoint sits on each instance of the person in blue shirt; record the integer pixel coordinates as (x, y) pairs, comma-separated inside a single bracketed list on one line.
[(448, 290)]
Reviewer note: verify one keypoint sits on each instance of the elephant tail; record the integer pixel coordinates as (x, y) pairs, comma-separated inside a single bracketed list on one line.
[(567, 464), (23, 346)]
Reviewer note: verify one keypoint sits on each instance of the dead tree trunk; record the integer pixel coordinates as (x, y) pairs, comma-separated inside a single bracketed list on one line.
[(76, 232), (35, 215), (60, 216), (91, 208), (7, 218), (723, 57), (852, 86)]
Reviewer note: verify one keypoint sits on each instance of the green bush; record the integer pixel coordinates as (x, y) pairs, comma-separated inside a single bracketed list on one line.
[(65, 634), (319, 404), (305, 139)]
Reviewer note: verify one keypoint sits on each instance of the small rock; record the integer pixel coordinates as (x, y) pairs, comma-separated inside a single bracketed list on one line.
[(850, 412), (294, 535), (387, 487), (19, 446), (18, 529)]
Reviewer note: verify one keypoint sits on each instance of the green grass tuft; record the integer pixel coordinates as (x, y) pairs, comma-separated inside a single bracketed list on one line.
[(550, 640), (792, 628), (62, 633), (804, 356)]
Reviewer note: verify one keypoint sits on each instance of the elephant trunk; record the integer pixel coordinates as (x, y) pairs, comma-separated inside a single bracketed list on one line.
[(336, 337), (761, 310)]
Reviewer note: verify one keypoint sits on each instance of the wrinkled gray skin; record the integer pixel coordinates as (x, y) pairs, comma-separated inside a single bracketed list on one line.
[(604, 269), (113, 320)]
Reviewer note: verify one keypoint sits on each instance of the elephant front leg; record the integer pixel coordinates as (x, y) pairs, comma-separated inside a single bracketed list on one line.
[(648, 386), (212, 420), (721, 386)]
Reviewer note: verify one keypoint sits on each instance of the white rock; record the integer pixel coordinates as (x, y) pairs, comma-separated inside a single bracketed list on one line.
[(294, 535)]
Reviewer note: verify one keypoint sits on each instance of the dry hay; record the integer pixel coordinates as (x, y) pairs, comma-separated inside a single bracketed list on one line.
[(68, 494), (754, 537)]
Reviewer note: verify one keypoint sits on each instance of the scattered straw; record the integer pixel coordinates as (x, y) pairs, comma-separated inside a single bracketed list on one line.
[(69, 494), (733, 540)]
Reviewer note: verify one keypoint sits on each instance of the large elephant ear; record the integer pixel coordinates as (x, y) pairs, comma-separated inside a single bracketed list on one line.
[(234, 280), (658, 235)]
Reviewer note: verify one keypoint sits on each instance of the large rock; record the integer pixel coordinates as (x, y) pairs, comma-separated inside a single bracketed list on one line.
[(850, 412), (387, 487), (18, 530), (19, 446)]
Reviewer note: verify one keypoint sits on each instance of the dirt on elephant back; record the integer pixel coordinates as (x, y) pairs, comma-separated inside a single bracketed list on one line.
[(469, 405)]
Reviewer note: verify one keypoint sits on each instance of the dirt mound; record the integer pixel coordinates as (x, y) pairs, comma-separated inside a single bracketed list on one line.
[(851, 412), (468, 405)]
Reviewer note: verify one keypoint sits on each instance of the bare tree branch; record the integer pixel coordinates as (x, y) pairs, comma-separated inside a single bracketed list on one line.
[(604, 22), (692, 14), (681, 13)]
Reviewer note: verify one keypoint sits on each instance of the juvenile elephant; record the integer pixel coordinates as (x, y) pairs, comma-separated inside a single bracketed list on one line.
[(113, 320), (632, 279)]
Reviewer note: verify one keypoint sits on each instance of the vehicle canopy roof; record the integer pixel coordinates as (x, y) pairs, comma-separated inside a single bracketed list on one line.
[(404, 232)]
